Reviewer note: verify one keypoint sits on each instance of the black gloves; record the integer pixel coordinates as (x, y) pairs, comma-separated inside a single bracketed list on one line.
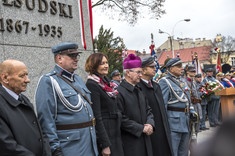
[(57, 152)]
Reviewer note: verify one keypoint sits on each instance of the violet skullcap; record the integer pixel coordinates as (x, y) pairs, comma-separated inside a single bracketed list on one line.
[(132, 61)]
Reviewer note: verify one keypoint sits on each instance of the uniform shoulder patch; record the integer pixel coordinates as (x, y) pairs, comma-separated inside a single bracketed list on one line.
[(50, 73)]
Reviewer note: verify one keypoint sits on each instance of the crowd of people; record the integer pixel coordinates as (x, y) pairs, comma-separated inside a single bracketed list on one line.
[(129, 116)]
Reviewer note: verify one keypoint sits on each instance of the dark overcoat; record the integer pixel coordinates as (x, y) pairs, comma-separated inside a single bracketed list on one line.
[(108, 119), (135, 113), (20, 132), (161, 138)]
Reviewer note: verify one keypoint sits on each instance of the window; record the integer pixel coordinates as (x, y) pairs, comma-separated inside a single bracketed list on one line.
[(193, 45), (233, 61), (181, 46)]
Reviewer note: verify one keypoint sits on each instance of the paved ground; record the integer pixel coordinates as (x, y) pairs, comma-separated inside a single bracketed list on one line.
[(203, 135)]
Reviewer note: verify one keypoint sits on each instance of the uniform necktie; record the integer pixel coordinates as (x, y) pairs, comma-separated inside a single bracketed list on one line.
[(20, 98), (150, 84)]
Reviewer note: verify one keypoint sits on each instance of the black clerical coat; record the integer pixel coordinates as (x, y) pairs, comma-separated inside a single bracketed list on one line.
[(161, 138), (135, 113)]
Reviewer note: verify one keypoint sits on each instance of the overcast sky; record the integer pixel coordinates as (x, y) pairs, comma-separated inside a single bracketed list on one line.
[(208, 18)]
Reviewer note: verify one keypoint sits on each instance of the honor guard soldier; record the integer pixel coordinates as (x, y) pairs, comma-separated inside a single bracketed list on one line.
[(198, 81), (63, 106), (176, 101), (213, 102), (194, 92)]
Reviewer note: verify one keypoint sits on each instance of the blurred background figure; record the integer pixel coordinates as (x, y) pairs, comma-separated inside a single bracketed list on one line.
[(227, 80), (233, 78), (198, 80), (116, 78), (221, 144), (196, 100), (213, 102), (103, 96), (219, 77)]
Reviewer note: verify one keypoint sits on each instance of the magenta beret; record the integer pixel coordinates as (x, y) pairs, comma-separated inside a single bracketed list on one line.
[(132, 61)]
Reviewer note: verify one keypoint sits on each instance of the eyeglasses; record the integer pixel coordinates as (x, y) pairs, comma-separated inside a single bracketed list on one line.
[(152, 67), (137, 72), (74, 56)]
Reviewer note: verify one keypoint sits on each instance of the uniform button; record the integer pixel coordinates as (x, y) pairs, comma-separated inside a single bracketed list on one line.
[(67, 138), (91, 128), (34, 122), (70, 93), (40, 140), (90, 115)]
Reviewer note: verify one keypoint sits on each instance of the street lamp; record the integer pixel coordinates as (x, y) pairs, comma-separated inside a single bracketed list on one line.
[(162, 32), (172, 34)]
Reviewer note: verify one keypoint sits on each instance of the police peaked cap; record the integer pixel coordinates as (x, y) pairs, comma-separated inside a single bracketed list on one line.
[(114, 72), (65, 48), (147, 61), (172, 62), (190, 68), (210, 70), (198, 75)]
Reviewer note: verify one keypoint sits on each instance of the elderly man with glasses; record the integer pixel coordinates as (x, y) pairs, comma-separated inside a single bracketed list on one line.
[(137, 120), (63, 106)]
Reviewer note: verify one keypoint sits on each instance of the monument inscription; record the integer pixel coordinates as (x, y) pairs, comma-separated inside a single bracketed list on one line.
[(29, 28), (44, 6)]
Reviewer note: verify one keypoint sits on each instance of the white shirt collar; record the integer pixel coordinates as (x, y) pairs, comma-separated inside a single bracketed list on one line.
[(146, 81), (13, 94)]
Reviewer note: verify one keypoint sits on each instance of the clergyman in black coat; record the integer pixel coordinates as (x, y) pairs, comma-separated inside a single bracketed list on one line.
[(20, 132), (137, 119), (161, 137)]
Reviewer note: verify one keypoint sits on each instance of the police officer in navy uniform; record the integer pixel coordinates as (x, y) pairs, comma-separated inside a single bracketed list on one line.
[(213, 103), (63, 108), (176, 101)]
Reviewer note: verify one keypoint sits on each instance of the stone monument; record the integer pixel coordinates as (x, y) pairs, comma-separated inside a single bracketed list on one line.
[(29, 28)]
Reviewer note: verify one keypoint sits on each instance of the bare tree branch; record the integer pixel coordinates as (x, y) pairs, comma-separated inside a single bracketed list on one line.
[(131, 10)]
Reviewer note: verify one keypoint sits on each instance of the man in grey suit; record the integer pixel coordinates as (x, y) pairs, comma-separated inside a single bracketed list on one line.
[(176, 100)]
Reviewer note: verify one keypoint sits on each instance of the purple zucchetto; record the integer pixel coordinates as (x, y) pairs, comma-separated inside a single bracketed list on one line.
[(132, 61)]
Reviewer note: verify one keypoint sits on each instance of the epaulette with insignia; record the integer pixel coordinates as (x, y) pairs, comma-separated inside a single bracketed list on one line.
[(51, 73)]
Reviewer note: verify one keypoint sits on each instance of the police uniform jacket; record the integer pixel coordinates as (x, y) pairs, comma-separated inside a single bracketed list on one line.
[(161, 137), (198, 85), (135, 113), (179, 121), (20, 132), (193, 88), (108, 119), (52, 112)]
